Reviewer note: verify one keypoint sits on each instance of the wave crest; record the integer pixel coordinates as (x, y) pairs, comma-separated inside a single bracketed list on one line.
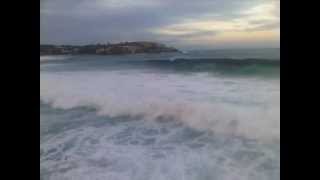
[(53, 58)]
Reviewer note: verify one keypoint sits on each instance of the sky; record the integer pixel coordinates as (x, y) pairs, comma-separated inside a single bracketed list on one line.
[(185, 24)]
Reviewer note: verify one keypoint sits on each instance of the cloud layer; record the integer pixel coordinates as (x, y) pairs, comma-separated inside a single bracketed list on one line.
[(181, 23)]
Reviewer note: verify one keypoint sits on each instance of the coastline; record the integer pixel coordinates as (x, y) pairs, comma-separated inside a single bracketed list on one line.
[(107, 49)]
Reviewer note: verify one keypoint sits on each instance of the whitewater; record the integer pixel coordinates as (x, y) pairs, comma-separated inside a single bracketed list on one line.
[(196, 115)]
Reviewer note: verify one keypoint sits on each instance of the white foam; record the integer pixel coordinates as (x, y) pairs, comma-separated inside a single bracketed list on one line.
[(106, 159), (242, 107), (53, 58)]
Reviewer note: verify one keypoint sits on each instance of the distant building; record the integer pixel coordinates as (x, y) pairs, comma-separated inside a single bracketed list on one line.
[(100, 51), (131, 49)]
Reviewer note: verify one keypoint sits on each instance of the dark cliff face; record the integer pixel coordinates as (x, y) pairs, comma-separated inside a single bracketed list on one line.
[(105, 49)]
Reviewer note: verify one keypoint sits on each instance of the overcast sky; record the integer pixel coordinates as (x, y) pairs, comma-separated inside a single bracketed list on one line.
[(186, 24)]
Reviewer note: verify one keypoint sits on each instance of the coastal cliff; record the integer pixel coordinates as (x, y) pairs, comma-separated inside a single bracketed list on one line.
[(107, 49)]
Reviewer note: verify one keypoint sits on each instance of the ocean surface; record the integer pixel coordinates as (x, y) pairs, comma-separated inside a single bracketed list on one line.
[(197, 115)]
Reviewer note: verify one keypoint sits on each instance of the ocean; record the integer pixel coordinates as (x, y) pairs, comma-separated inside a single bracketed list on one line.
[(196, 115)]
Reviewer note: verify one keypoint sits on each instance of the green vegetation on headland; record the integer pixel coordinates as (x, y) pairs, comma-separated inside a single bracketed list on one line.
[(107, 49)]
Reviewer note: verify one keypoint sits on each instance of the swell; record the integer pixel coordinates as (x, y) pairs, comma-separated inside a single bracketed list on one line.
[(226, 61), (223, 66), (266, 67)]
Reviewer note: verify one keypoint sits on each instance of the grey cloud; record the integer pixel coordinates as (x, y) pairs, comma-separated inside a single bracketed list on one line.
[(86, 21), (264, 25)]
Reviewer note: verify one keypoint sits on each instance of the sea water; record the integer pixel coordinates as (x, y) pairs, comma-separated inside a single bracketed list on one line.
[(200, 115)]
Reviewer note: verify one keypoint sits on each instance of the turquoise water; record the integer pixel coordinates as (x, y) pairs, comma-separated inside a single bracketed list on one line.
[(192, 115)]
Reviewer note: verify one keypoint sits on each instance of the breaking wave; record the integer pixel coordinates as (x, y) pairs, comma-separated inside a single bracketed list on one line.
[(240, 107)]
